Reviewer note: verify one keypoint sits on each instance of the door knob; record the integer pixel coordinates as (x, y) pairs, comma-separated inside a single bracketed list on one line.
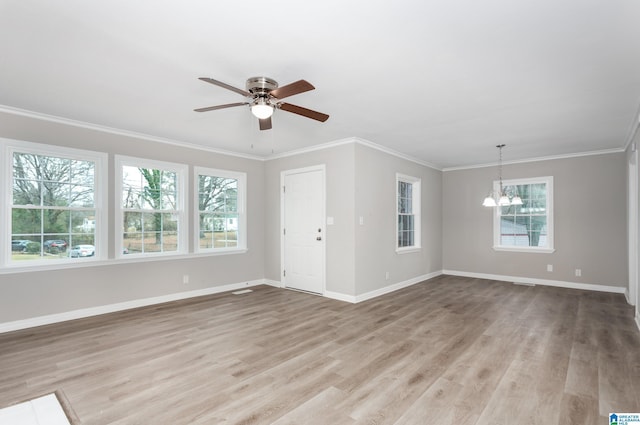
[(318, 238)]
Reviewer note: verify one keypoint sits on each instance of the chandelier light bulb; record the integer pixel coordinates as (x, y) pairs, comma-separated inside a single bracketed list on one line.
[(489, 202)]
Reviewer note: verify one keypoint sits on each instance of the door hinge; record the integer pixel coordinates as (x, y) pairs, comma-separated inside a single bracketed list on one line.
[(284, 189), (284, 273), (284, 232)]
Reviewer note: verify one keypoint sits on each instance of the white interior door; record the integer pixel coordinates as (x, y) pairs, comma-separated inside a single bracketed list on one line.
[(303, 229)]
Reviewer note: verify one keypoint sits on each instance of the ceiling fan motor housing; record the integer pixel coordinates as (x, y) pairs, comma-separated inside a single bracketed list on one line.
[(261, 85)]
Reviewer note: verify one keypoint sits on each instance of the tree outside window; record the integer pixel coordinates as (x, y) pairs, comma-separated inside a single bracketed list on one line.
[(528, 226), (149, 207), (152, 207), (221, 223), (53, 197)]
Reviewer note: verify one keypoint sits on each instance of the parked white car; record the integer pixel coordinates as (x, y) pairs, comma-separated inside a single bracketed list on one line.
[(82, 251)]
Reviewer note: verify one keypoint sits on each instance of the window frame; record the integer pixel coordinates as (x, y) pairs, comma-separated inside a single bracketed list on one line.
[(241, 207), (497, 246), (416, 198), (182, 174), (100, 203)]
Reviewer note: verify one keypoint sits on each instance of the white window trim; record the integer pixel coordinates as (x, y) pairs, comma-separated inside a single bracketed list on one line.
[(417, 201), (241, 206), (100, 160), (548, 180), (182, 171)]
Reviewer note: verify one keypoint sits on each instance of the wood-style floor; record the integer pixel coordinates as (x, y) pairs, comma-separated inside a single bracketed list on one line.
[(448, 351)]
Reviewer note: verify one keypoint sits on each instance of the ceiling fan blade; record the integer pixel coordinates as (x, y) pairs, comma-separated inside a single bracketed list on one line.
[(300, 86), (224, 85), (314, 115), (265, 124), (213, 108)]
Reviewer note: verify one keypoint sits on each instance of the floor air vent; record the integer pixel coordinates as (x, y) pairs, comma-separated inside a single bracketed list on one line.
[(242, 291)]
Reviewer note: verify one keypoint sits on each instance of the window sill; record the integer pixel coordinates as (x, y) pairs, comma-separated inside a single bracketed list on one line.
[(122, 259), (132, 258), (39, 266), (215, 253), (524, 249), (408, 250)]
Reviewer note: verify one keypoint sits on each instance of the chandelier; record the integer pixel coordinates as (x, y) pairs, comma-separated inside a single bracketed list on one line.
[(501, 198)]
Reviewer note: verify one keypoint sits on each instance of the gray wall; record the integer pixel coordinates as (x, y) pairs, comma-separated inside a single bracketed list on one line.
[(361, 182), (375, 240), (589, 221), (31, 294), (339, 237), (456, 229), (632, 158)]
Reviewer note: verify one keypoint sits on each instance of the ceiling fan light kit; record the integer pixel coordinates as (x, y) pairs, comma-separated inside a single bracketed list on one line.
[(261, 109), (264, 96)]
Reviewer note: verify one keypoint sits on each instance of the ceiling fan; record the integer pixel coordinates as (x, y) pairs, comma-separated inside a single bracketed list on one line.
[(264, 96)]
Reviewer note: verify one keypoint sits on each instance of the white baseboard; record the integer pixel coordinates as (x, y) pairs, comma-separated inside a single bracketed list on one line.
[(329, 294), (127, 305), (340, 296), (382, 291), (396, 286), (274, 283), (544, 282)]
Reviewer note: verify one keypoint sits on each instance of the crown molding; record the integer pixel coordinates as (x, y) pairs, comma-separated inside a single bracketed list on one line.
[(111, 130), (633, 130), (538, 159), (395, 153), (352, 140), (355, 140), (120, 132), (308, 149)]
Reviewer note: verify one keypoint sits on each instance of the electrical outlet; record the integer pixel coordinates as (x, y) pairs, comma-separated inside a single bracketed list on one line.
[(386, 276), (549, 267), (578, 272), (185, 279)]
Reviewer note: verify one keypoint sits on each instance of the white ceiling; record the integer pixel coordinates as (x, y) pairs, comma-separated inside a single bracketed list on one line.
[(440, 81)]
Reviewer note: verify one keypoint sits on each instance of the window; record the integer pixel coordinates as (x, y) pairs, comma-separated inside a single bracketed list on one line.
[(151, 213), (527, 227), (408, 211), (221, 219), (55, 204)]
